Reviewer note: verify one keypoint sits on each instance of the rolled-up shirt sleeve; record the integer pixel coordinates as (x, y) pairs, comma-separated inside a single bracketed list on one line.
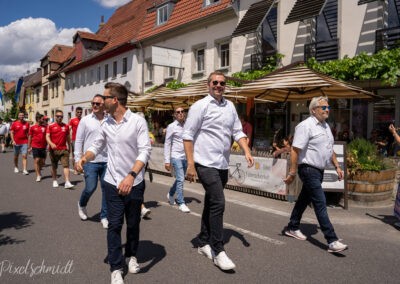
[(167, 144), (237, 131), (99, 143), (143, 142), (193, 122), (80, 134)]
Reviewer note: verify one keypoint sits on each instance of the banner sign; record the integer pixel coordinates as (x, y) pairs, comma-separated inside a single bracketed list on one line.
[(166, 56)]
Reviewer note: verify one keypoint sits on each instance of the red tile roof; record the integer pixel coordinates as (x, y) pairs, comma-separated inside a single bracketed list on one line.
[(90, 36), (59, 53), (9, 85), (184, 12)]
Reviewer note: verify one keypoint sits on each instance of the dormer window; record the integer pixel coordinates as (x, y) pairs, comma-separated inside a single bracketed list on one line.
[(210, 2), (162, 14)]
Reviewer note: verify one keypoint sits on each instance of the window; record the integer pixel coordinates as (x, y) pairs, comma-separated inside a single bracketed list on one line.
[(124, 65), (91, 80), (171, 72), (98, 74), (57, 89), (115, 69), (52, 90), (37, 95), (162, 15), (210, 2), (45, 93), (149, 71), (105, 72), (199, 53), (224, 55)]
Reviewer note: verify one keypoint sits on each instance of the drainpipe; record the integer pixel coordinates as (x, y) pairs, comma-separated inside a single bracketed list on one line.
[(142, 59)]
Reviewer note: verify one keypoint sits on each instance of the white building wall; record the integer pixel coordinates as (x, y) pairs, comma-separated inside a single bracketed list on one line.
[(82, 94)]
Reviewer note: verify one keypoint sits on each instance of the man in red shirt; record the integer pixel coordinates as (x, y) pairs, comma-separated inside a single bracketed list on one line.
[(73, 126), (57, 136), (19, 136), (37, 144)]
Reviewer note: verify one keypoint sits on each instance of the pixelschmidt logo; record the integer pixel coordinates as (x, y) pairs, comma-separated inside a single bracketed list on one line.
[(31, 268)]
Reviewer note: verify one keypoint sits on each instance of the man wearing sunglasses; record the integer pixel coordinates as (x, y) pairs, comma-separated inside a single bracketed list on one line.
[(73, 126), (312, 151), (125, 135), (211, 123), (57, 136), (174, 154), (88, 128)]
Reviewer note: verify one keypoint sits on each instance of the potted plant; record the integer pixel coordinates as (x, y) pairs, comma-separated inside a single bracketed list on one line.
[(370, 178)]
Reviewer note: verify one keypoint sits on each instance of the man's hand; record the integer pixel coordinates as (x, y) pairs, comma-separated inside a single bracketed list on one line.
[(79, 164), (168, 166), (249, 159), (191, 173), (289, 179), (53, 146), (340, 173), (125, 187)]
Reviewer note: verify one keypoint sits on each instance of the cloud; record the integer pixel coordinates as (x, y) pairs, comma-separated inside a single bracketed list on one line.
[(112, 3), (28, 40)]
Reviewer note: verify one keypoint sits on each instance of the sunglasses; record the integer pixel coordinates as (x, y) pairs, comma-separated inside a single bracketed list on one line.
[(59, 116), (96, 104), (222, 83), (108, 97), (180, 111), (325, 107)]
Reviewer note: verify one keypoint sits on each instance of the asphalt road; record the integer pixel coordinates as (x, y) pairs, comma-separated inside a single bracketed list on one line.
[(42, 239)]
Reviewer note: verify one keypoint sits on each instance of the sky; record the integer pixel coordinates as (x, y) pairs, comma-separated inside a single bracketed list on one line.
[(30, 28)]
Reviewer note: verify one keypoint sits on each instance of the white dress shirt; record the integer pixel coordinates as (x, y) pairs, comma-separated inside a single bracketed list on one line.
[(210, 125), (173, 145), (315, 140), (88, 129), (126, 142)]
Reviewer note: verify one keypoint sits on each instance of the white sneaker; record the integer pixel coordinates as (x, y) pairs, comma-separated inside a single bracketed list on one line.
[(82, 212), (25, 172), (337, 246), (184, 208), (171, 199), (16, 170), (297, 234), (38, 178), (68, 185), (145, 212), (116, 277), (223, 261), (55, 183), (133, 266), (104, 222), (206, 251)]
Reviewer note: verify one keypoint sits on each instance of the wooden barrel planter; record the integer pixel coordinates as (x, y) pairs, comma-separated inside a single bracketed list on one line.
[(371, 188)]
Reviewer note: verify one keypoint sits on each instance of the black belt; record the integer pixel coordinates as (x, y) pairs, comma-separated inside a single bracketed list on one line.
[(309, 166)]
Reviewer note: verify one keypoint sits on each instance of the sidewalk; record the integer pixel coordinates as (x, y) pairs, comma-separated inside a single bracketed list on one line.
[(338, 215)]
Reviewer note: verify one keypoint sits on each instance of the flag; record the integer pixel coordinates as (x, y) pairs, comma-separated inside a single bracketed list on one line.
[(1, 91), (18, 88)]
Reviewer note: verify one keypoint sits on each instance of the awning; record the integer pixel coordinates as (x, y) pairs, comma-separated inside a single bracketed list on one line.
[(361, 2), (305, 9), (300, 83), (253, 18)]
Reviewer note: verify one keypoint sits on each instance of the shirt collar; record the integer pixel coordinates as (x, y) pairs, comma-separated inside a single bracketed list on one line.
[(212, 99), (316, 121)]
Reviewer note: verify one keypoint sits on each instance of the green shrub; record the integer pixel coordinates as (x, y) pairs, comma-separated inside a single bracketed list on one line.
[(362, 155)]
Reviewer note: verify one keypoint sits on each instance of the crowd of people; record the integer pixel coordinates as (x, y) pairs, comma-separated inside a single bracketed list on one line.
[(112, 145)]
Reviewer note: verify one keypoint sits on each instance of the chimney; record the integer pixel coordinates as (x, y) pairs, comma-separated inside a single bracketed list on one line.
[(101, 22)]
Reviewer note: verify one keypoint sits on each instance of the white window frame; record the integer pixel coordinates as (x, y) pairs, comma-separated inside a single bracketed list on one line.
[(149, 71), (115, 69), (162, 15), (124, 65), (224, 55), (210, 2), (197, 58)]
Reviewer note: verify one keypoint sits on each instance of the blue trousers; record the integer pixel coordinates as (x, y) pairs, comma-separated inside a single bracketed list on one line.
[(312, 192), (180, 167), (119, 206)]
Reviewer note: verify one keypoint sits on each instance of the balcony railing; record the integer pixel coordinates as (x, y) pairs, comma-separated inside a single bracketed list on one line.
[(258, 60), (387, 38), (322, 51)]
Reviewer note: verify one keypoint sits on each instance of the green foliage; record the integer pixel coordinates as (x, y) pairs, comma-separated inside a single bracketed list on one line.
[(271, 65), (174, 85), (151, 89), (362, 155), (383, 65)]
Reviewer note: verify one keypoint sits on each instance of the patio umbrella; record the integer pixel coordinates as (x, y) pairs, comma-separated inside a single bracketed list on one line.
[(300, 83)]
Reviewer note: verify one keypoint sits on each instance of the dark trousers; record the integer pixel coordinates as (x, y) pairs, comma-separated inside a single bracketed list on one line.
[(119, 206), (213, 181), (312, 192)]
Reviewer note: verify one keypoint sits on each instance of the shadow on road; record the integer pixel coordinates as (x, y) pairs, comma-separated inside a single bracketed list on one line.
[(387, 219), (152, 252), (229, 233), (15, 220)]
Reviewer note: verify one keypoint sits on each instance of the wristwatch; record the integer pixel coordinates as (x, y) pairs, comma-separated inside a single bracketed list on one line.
[(132, 173)]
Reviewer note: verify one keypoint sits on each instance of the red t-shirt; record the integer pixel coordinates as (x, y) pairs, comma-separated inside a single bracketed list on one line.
[(38, 134), (20, 131), (73, 123), (58, 135)]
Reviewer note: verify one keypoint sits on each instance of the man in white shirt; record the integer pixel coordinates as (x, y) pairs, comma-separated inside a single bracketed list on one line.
[(3, 135), (211, 123), (88, 128), (125, 134), (312, 151), (174, 154)]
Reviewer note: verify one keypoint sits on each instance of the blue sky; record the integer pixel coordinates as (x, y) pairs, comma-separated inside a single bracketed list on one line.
[(29, 28)]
